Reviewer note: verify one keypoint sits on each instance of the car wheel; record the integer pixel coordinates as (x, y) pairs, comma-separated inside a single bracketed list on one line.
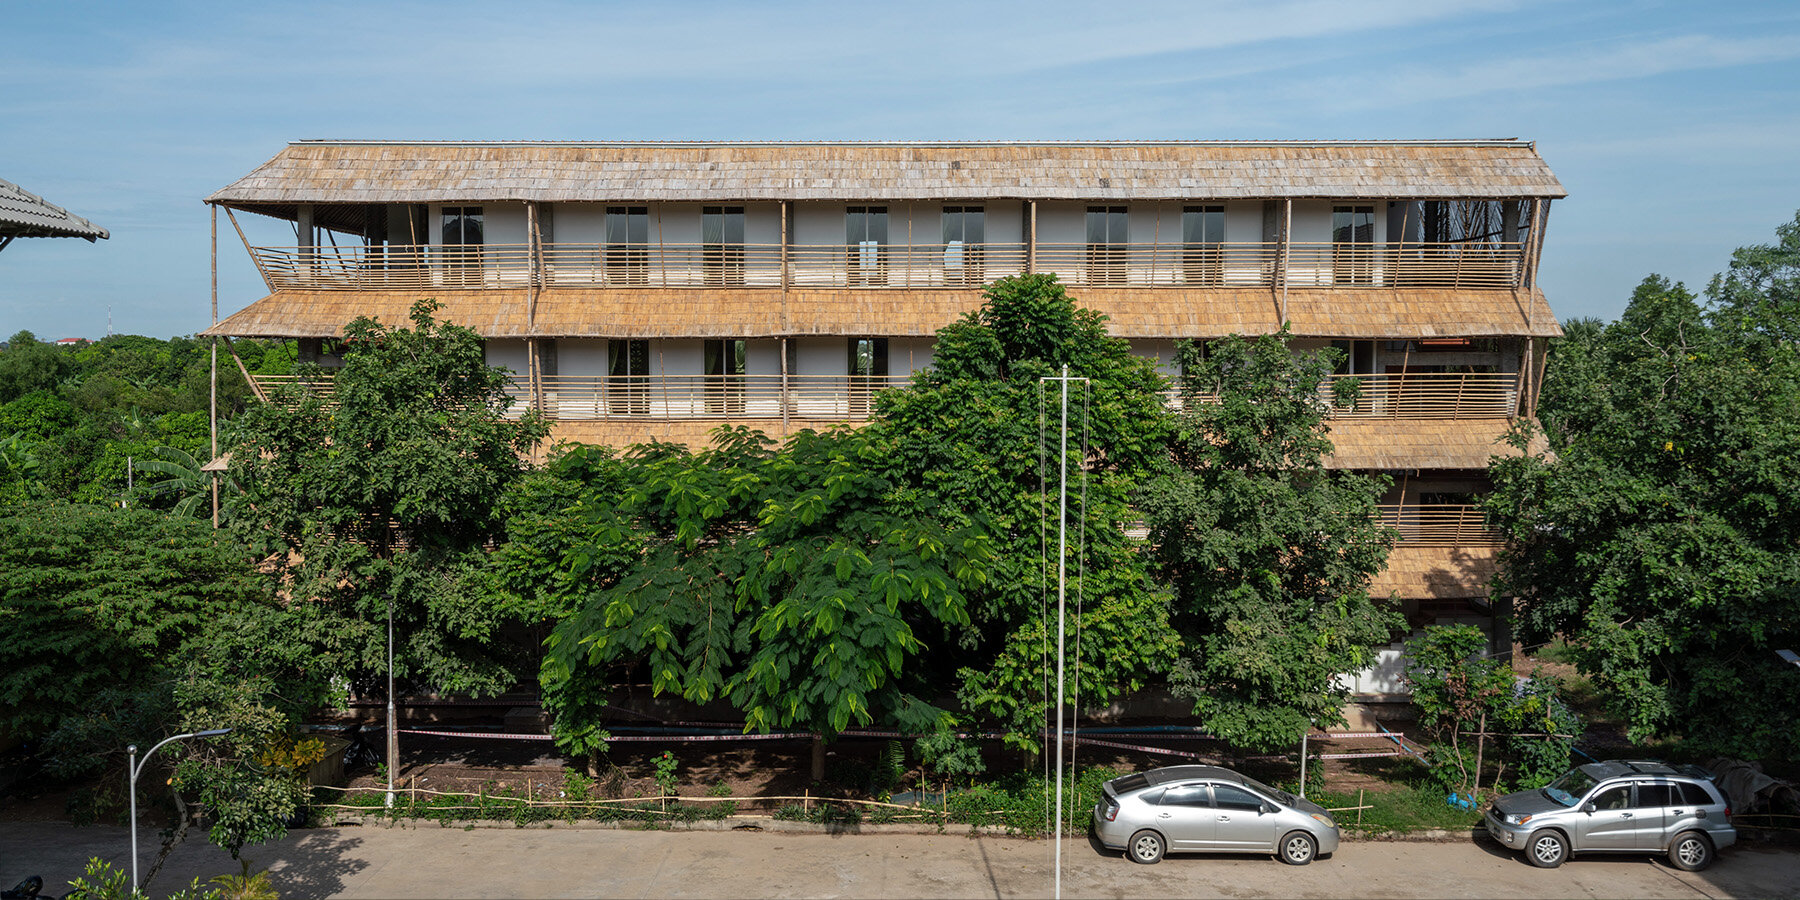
[(1146, 848), (1547, 849), (1298, 848), (1690, 851)]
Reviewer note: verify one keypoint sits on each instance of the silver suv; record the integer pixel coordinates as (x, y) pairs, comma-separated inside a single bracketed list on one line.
[(1620, 806)]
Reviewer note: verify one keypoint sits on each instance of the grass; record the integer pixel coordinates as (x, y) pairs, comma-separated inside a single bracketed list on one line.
[(1406, 808)]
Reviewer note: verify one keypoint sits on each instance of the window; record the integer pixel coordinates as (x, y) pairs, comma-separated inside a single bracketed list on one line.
[(462, 240), (866, 233), (628, 384), (1186, 795), (1202, 234), (627, 244), (725, 376), (1106, 226), (868, 371), (1657, 794), (964, 234), (1614, 798), (1227, 796), (722, 244), (1694, 795), (1352, 244)]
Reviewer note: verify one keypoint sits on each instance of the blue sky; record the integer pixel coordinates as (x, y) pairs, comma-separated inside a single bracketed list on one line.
[(1673, 126)]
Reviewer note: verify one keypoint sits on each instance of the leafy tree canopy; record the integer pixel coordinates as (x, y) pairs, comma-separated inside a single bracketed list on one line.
[(776, 580), (976, 439), (1662, 536), (382, 492), (1269, 553)]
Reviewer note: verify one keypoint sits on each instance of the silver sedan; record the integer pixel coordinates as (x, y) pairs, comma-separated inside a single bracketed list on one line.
[(1208, 809)]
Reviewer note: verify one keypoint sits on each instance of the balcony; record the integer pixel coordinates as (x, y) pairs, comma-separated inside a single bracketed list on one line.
[(724, 398), (1491, 266), (841, 398), (1418, 395), (1439, 525)]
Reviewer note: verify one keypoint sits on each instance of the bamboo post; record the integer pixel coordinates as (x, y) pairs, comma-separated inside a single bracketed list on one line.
[(1030, 237), (1281, 265), (1359, 806), (212, 401)]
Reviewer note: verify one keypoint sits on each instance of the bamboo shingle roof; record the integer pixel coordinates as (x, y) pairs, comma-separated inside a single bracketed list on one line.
[(1442, 573), (1421, 443), (754, 313), (24, 214), (554, 172)]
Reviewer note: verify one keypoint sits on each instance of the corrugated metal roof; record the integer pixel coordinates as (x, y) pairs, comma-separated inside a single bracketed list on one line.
[(427, 171), (24, 214)]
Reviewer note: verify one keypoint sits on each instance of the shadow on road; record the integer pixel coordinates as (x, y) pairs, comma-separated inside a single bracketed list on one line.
[(317, 864)]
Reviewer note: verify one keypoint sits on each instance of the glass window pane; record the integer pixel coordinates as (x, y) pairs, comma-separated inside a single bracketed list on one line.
[(1186, 795), (1227, 796)]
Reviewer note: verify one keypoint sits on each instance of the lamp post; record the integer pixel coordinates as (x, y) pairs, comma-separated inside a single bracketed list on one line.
[(135, 767)]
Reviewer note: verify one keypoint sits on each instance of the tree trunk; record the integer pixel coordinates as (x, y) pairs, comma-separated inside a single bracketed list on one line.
[(818, 759)]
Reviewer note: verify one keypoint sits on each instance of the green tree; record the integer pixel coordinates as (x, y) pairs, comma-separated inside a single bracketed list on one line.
[(1661, 536), (777, 580), (381, 496), (1460, 691), (974, 441), (93, 598), (1270, 553)]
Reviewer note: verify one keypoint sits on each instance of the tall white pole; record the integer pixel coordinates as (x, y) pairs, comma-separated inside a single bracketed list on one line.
[(1062, 576), (393, 735)]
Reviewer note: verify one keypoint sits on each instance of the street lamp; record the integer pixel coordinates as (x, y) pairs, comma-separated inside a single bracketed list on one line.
[(1789, 655), (131, 784)]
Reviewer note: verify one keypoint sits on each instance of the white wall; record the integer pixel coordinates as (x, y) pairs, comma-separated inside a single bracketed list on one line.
[(508, 353)]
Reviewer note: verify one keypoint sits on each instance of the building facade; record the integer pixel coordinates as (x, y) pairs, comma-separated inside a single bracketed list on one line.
[(658, 290)]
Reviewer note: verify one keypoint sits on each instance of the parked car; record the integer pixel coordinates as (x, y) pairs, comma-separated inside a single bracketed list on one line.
[(1207, 809), (1620, 806)]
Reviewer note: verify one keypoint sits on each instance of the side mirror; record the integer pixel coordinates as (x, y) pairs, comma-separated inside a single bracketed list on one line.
[(1267, 808), (1590, 808)]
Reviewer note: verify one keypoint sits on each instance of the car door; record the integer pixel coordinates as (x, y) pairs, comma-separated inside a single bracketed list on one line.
[(1184, 815), (1655, 809), (1611, 824), (1239, 821)]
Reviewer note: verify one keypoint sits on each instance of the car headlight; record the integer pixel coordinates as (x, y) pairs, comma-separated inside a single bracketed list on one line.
[(1511, 819), (1324, 820)]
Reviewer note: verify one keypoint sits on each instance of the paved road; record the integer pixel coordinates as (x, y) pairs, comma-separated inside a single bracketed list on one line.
[(565, 862)]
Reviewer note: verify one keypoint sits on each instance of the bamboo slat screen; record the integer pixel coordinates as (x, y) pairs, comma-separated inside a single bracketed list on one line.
[(1437, 571), (1441, 525), (453, 267)]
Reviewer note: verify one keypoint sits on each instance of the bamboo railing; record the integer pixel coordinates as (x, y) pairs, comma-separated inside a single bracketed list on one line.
[(1491, 266), (846, 398), (1439, 525)]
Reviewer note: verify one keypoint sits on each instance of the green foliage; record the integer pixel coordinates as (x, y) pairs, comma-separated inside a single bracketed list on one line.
[(667, 769), (975, 441), (1269, 552), (949, 755), (1459, 690), (245, 885), (1662, 538), (99, 598), (381, 496), (778, 580)]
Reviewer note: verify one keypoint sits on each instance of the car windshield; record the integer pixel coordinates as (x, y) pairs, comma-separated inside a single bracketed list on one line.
[(1570, 788)]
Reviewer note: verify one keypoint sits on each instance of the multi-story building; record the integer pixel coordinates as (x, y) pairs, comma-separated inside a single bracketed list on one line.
[(657, 290)]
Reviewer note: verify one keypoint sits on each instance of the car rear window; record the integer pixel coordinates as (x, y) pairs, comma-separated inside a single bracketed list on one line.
[(1185, 795), (1127, 783), (1695, 795)]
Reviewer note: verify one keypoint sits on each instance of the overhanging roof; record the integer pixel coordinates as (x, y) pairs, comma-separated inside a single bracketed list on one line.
[(24, 214), (752, 313), (348, 172)]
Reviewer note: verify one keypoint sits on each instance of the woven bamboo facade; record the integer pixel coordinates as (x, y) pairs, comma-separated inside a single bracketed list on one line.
[(758, 313), (1462, 316)]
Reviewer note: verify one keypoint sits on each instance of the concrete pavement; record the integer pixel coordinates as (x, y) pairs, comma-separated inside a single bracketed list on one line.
[(565, 861)]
